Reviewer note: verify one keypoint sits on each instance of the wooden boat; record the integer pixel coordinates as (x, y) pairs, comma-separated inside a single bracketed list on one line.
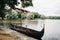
[(29, 32)]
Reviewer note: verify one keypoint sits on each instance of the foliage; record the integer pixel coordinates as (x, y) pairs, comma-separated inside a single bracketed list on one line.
[(12, 14), (2, 14), (23, 16), (12, 4), (26, 3), (53, 17), (19, 14), (33, 15), (36, 15), (12, 17)]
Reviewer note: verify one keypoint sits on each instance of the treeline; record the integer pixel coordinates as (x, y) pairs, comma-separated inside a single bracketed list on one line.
[(23, 15), (52, 17), (17, 14)]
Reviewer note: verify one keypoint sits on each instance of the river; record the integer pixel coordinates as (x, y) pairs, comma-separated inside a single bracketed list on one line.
[(52, 28)]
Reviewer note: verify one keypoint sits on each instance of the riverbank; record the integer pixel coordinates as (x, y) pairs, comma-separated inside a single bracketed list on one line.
[(6, 36), (9, 34)]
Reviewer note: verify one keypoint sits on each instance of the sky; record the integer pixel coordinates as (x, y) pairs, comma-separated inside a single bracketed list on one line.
[(45, 7)]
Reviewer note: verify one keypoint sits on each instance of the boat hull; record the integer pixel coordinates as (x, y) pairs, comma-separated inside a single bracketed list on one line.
[(29, 32)]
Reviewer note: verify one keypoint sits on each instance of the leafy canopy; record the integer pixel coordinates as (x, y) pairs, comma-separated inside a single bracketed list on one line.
[(12, 3)]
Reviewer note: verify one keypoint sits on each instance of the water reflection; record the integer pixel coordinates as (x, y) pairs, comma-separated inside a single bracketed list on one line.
[(34, 24), (52, 29)]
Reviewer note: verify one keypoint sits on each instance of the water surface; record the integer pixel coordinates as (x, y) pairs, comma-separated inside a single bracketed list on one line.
[(52, 28)]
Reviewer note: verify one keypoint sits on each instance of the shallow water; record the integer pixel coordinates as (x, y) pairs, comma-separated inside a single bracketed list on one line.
[(52, 28)]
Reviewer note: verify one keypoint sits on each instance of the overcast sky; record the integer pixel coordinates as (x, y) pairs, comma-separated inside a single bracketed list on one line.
[(46, 7)]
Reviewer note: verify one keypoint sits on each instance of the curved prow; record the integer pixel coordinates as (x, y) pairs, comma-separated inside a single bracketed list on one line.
[(42, 31)]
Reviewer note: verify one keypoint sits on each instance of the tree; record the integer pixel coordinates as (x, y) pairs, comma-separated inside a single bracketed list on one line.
[(2, 14), (26, 3), (12, 3)]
